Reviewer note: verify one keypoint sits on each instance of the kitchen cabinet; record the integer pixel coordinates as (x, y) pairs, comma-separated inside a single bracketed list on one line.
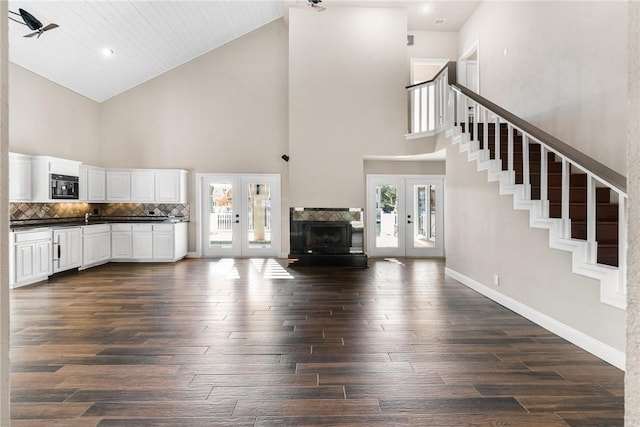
[(30, 257), (41, 169), (142, 235), (148, 242), (171, 186), (118, 186), (163, 246), (121, 242), (67, 248), (93, 184), (19, 177), (147, 185), (143, 186), (96, 244)]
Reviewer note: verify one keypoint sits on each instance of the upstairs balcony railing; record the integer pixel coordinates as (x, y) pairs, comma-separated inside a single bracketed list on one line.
[(443, 103)]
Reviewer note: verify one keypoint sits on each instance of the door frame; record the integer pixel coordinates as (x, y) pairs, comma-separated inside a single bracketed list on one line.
[(276, 208), (370, 220)]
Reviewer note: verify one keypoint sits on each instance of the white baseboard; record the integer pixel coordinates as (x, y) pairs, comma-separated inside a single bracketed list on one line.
[(193, 255), (599, 349)]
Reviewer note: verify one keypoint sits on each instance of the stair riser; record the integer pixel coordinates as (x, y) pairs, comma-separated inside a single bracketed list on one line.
[(578, 212)]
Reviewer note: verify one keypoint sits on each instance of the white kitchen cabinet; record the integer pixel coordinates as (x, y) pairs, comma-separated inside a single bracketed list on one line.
[(118, 186), (19, 177), (143, 186), (93, 184), (41, 169), (171, 186), (96, 244), (163, 243), (142, 235), (30, 257), (121, 242), (67, 248), (148, 242)]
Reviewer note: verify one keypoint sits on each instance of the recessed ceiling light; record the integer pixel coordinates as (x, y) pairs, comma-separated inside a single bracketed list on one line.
[(426, 8), (107, 52)]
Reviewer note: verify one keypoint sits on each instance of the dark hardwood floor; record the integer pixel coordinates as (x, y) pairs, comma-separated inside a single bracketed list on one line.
[(251, 342)]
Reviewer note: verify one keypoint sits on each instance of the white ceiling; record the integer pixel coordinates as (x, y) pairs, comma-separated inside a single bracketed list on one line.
[(151, 37)]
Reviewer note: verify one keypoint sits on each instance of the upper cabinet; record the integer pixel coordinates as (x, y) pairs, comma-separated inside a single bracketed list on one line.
[(19, 177), (42, 167), (171, 186), (30, 181), (147, 186), (118, 186), (93, 184), (143, 186)]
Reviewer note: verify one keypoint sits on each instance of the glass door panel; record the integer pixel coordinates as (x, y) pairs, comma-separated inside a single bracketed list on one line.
[(220, 215), (259, 215), (386, 212)]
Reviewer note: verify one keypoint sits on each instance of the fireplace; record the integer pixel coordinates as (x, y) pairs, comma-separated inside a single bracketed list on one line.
[(327, 236)]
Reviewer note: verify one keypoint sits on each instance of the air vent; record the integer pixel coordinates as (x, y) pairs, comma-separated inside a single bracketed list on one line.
[(410, 40), (439, 21)]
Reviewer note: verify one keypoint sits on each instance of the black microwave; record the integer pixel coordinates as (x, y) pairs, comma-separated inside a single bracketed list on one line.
[(64, 187)]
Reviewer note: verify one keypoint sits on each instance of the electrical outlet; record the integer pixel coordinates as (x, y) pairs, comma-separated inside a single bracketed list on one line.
[(496, 280)]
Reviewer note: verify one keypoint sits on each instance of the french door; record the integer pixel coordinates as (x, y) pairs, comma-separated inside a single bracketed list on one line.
[(405, 215), (240, 215)]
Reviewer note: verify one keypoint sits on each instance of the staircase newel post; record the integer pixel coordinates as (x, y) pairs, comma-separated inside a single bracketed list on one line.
[(565, 189), (467, 129)]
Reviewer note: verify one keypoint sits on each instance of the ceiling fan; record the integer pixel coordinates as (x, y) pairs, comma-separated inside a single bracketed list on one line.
[(32, 22), (316, 4)]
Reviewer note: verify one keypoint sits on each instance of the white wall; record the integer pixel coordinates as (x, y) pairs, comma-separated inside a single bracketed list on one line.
[(434, 45), (565, 70), (48, 119), (485, 236), (347, 72), (402, 167)]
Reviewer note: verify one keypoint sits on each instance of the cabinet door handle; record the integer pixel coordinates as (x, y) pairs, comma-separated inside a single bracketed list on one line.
[(59, 252)]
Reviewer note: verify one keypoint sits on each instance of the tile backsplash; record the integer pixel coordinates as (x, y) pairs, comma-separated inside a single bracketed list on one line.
[(44, 211)]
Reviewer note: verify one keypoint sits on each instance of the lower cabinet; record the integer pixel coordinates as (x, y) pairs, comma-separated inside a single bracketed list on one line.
[(30, 257), (67, 248), (148, 242), (142, 242), (96, 244), (121, 242)]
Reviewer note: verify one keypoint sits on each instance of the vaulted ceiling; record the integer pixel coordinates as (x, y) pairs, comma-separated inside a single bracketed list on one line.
[(148, 38)]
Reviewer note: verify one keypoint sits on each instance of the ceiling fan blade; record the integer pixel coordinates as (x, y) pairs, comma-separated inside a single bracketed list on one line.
[(31, 21), (32, 34), (50, 27)]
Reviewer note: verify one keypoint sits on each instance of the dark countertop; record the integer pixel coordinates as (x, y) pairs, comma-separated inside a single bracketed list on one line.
[(77, 222)]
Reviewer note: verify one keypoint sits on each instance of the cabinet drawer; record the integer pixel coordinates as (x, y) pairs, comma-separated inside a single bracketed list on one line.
[(142, 227), (120, 227), (95, 229), (32, 236), (163, 227)]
